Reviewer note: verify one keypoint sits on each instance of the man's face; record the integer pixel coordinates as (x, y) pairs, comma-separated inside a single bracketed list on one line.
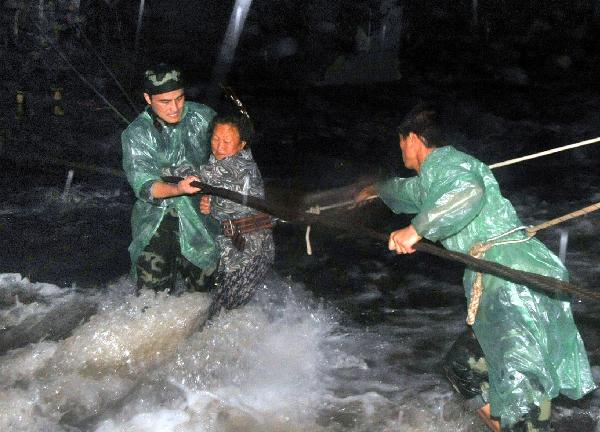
[(167, 106), (408, 146)]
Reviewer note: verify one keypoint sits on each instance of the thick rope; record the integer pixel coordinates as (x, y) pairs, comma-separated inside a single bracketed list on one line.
[(537, 281), (531, 231), (476, 251)]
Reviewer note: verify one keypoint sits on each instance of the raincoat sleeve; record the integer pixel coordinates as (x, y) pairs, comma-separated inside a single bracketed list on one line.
[(140, 161), (401, 195), (453, 197)]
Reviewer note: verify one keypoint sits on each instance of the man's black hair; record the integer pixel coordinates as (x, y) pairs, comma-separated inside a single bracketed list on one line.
[(241, 122), (423, 121)]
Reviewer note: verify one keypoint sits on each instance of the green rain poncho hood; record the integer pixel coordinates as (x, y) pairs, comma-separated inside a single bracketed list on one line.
[(531, 344), (149, 154)]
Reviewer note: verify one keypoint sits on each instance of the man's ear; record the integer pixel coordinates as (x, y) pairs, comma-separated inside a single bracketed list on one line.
[(412, 137), (243, 144), (148, 98)]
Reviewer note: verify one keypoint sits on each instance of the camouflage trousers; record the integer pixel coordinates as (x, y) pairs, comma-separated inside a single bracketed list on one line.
[(467, 370), (161, 263)]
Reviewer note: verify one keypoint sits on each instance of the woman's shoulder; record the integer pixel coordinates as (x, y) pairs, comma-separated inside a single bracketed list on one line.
[(242, 161), (246, 155)]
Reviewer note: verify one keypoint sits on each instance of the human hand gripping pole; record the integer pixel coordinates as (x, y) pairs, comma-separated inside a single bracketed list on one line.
[(403, 240)]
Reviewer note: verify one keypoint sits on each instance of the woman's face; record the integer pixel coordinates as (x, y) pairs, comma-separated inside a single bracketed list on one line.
[(225, 141)]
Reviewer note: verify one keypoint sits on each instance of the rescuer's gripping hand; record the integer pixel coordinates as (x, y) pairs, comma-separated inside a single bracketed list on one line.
[(402, 240), (365, 194), (185, 188)]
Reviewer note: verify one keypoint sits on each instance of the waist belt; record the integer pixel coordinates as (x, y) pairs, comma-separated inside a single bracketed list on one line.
[(247, 224)]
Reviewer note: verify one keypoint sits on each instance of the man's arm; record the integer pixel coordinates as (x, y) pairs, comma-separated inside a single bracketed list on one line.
[(401, 240), (452, 201), (139, 159), (161, 190)]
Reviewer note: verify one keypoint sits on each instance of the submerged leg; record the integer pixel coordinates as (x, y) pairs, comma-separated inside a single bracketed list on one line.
[(197, 279), (536, 420), (235, 289), (467, 371)]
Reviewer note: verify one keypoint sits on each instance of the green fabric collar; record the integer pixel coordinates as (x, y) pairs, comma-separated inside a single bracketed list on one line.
[(436, 155)]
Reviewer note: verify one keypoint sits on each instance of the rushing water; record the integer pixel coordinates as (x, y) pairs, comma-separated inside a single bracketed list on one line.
[(347, 339)]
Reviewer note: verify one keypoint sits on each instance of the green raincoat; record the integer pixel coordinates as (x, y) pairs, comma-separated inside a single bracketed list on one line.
[(531, 344), (149, 154)]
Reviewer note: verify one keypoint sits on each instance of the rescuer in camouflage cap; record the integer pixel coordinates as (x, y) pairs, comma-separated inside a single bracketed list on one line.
[(169, 236)]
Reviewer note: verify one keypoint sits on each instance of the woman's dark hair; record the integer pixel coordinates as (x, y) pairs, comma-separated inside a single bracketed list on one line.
[(242, 123), (423, 121)]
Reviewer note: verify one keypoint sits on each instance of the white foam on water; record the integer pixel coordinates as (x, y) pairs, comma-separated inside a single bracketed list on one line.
[(132, 337), (20, 365), (286, 365), (100, 363), (162, 420), (282, 363), (16, 292), (250, 369)]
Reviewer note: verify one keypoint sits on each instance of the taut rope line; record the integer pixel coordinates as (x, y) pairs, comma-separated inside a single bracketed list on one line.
[(318, 209), (544, 153), (531, 231)]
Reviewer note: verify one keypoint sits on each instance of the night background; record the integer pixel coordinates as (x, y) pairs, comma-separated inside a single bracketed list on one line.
[(353, 334)]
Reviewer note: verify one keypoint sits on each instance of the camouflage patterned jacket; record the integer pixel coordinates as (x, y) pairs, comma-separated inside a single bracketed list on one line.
[(237, 173)]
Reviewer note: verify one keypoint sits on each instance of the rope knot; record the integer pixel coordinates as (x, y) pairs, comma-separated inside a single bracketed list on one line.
[(478, 249)]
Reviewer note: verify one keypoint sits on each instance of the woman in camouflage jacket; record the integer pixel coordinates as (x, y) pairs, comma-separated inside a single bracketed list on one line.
[(246, 254)]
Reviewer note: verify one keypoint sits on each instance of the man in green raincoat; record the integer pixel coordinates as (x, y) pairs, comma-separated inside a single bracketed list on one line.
[(523, 348), (170, 236)]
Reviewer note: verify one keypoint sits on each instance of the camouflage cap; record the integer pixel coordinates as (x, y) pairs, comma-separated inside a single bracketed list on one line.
[(162, 78)]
